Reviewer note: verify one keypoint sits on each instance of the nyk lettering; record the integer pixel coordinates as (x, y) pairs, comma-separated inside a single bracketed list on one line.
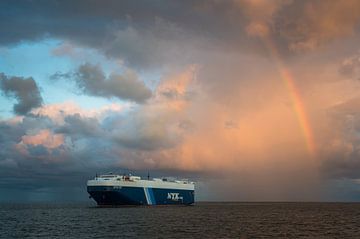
[(174, 196)]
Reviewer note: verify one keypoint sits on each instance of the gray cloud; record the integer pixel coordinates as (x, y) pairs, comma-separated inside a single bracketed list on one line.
[(24, 90), (341, 153), (78, 127), (174, 32), (140, 33), (92, 81), (59, 75), (35, 166), (90, 146), (86, 140)]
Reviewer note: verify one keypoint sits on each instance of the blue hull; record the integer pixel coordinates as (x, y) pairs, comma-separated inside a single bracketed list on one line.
[(110, 195)]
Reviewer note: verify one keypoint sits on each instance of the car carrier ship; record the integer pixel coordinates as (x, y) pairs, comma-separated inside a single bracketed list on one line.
[(112, 189)]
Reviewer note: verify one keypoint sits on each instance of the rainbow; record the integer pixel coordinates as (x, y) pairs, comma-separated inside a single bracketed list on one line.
[(294, 93)]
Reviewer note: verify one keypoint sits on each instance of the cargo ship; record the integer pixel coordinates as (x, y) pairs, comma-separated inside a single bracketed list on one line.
[(112, 189)]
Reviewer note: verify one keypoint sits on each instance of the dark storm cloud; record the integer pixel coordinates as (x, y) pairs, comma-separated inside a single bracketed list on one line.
[(142, 33), (151, 33), (24, 90), (89, 17)]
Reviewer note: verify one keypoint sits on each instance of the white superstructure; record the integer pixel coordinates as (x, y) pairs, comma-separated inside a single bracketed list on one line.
[(136, 181)]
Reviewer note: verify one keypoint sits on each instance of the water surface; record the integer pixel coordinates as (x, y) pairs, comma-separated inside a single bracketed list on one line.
[(204, 220)]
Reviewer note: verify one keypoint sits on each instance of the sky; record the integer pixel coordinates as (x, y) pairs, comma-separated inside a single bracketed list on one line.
[(254, 100)]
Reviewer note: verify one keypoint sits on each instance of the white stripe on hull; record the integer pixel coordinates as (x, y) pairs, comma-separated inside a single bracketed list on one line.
[(148, 198)]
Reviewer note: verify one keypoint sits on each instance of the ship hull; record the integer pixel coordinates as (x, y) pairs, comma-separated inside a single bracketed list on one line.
[(123, 195)]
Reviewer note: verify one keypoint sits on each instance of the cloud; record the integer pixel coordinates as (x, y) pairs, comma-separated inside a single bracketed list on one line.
[(261, 14), (92, 81), (34, 148), (78, 127), (45, 138), (44, 145), (157, 124), (319, 22), (350, 67), (221, 109), (62, 131), (59, 111), (303, 25), (60, 139), (156, 35), (24, 90), (59, 75), (196, 123), (143, 36), (64, 49), (340, 151)]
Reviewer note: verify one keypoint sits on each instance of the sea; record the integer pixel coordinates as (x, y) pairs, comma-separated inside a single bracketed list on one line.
[(203, 220)]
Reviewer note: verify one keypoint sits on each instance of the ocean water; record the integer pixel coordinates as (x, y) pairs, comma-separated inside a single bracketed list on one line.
[(204, 220)]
